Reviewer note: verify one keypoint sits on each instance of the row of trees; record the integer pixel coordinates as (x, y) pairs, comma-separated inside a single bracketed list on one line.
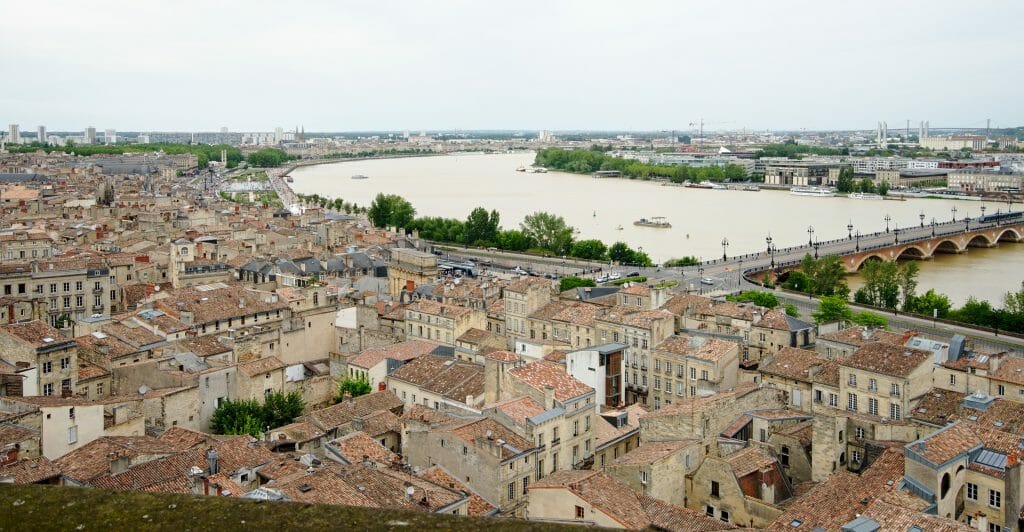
[(821, 277), (267, 157), (337, 204), (763, 299), (588, 161), (249, 416), (846, 183), (540, 232), (792, 150)]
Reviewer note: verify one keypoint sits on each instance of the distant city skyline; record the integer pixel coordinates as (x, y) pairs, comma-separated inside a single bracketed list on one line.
[(788, 65)]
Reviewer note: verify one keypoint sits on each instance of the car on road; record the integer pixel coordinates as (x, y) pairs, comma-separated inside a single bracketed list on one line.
[(614, 276), (601, 279), (633, 274), (518, 271), (707, 280)]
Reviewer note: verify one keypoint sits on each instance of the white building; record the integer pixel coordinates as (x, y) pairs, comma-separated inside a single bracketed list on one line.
[(90, 135), (41, 134), (14, 134), (109, 136), (600, 367)]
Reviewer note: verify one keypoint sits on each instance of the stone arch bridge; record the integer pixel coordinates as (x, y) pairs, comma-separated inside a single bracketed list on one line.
[(927, 247)]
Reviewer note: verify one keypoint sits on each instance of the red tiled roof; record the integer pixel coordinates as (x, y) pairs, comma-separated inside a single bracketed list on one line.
[(541, 374)]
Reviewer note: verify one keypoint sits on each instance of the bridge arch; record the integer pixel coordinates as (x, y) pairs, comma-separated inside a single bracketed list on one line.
[(948, 246), (1009, 235), (912, 253), (979, 240), (874, 256)]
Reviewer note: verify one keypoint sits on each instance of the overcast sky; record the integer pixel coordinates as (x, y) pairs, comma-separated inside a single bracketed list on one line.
[(339, 66)]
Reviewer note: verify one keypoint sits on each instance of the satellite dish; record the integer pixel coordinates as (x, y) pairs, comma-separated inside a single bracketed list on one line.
[(143, 389)]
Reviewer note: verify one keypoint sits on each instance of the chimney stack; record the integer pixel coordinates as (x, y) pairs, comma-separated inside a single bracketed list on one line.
[(549, 397)]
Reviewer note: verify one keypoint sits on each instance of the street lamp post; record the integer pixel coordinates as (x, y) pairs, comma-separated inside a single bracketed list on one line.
[(849, 230), (921, 216), (739, 274), (982, 213), (810, 235), (769, 241), (896, 232), (725, 244), (887, 220), (933, 226), (772, 251), (858, 240), (967, 223), (700, 279), (954, 212), (816, 244)]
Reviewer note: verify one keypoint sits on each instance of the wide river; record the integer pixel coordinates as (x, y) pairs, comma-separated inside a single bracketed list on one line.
[(453, 185)]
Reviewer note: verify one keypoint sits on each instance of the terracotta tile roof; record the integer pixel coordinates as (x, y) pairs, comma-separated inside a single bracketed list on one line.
[(497, 308), (689, 405), (792, 363), (261, 366), (828, 374), (858, 336), (29, 471), (94, 459), (434, 308), (749, 460), (403, 351), (527, 282), (87, 371), (837, 500), (739, 311), (605, 432), (898, 510), (773, 319), (203, 346), (381, 422), (666, 516), (803, 432), (887, 359), (519, 409), (502, 356), (651, 452), (1010, 370), (473, 336), (300, 431), (10, 433), (429, 415), (579, 313), (334, 416), (35, 333), (475, 430), (541, 374), (219, 482), (619, 502), (208, 306), (453, 379), (557, 356), (946, 443), (186, 438), (478, 506), (631, 317), (359, 446), (233, 454)]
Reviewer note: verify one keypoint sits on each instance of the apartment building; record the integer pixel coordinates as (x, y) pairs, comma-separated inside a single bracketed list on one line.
[(440, 322), (46, 360), (687, 366), (640, 331)]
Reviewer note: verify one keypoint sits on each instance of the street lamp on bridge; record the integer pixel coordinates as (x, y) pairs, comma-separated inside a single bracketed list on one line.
[(858, 240), (725, 244), (887, 220), (967, 223), (769, 241), (982, 212), (816, 244), (700, 279), (810, 235), (849, 230), (933, 226), (921, 216), (896, 232), (954, 212)]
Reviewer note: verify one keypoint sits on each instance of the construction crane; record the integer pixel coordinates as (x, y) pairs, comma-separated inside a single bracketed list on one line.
[(700, 125)]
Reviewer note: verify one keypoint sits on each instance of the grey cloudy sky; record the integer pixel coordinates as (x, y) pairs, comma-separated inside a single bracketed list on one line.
[(253, 65)]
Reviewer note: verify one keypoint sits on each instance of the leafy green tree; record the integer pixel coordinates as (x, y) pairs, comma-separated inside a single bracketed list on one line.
[(391, 210), (907, 277), (882, 188), (791, 310), (928, 302), (757, 297), (548, 231), (514, 240), (845, 183), (870, 319), (568, 283), (589, 249), (832, 308), (976, 312), (267, 157), (881, 284), (244, 416), (481, 226), (352, 387), (799, 281), (280, 409), (735, 172), (685, 261), (1013, 302)]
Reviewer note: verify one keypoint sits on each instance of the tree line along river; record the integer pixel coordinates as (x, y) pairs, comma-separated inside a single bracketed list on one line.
[(452, 185)]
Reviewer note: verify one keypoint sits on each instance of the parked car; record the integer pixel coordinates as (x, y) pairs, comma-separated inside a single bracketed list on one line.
[(707, 280), (614, 276), (633, 274), (602, 279), (518, 271)]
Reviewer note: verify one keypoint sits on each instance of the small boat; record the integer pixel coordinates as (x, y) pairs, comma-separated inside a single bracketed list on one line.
[(360, 176), (536, 170), (818, 192), (619, 228), (655, 221), (865, 195), (521, 169), (751, 188)]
